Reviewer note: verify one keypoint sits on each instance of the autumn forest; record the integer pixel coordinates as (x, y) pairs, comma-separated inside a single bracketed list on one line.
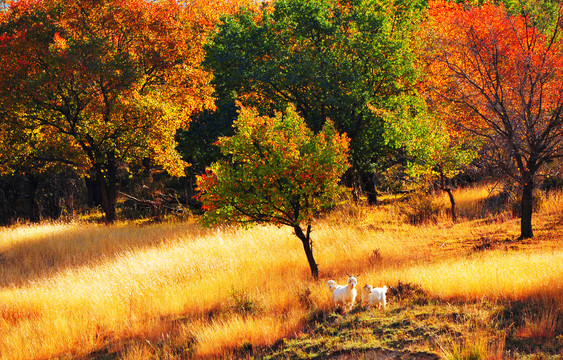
[(137, 132)]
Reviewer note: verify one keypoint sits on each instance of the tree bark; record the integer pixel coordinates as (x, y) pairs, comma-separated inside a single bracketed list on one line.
[(308, 247), (527, 207), (368, 180), (108, 189), (452, 202)]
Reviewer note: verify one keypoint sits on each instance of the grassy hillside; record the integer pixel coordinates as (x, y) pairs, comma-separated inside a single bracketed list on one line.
[(175, 290)]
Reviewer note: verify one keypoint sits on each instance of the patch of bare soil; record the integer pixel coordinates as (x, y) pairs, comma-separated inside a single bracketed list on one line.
[(381, 354)]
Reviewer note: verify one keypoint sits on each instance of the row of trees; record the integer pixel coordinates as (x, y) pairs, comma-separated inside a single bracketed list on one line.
[(110, 87), (403, 75)]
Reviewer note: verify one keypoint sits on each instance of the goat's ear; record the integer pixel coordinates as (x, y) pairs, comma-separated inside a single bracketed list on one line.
[(349, 275), (357, 275)]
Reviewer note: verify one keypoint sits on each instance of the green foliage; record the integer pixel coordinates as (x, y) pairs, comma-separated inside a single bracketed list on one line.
[(332, 59), (275, 170), (195, 144), (434, 149)]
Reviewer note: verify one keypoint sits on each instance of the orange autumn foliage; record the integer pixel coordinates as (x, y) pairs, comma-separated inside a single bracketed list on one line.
[(503, 75), (104, 83)]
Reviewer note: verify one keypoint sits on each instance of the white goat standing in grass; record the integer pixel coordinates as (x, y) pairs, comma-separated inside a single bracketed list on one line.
[(344, 296), (372, 296)]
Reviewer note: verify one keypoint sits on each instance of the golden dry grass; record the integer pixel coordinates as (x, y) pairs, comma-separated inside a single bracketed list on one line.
[(70, 289)]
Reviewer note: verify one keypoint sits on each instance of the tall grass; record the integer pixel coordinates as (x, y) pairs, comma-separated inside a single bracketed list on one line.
[(498, 274), (70, 289)]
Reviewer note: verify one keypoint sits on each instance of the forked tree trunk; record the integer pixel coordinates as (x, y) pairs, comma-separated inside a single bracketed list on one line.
[(308, 247), (370, 189), (527, 207)]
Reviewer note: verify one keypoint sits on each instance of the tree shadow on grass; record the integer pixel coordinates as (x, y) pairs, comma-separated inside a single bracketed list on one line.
[(38, 252)]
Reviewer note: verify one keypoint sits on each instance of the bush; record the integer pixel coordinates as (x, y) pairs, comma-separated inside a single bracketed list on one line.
[(421, 208), (510, 199), (408, 291), (243, 303), (552, 183), (498, 201)]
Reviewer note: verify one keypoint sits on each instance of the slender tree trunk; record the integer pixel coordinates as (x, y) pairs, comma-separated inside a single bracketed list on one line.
[(308, 247), (450, 193), (370, 189), (452, 202), (108, 204), (527, 209)]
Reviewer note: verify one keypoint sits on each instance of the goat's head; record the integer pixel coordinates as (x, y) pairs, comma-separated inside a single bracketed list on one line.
[(367, 289), (352, 281), (331, 285)]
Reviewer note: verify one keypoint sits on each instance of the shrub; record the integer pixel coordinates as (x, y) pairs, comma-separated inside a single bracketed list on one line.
[(516, 204), (552, 183), (498, 201), (243, 303), (421, 208)]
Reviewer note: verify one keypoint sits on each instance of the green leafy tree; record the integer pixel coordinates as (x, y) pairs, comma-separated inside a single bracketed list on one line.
[(276, 171), (330, 58), (436, 151)]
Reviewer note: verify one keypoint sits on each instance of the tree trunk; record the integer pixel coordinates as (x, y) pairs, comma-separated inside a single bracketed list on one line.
[(108, 189), (448, 190), (368, 180), (527, 209), (93, 190), (361, 182), (308, 247), (452, 202), (108, 203), (34, 213)]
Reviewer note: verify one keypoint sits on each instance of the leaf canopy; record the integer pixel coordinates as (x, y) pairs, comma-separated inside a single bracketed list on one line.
[(276, 170), (330, 58)]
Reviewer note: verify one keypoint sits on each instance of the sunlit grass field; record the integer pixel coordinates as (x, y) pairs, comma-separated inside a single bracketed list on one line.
[(76, 290)]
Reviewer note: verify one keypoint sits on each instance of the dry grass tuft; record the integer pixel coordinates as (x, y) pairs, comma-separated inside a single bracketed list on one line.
[(542, 325), (477, 348)]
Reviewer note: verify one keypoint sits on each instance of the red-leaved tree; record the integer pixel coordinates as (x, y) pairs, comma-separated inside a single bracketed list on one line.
[(504, 76)]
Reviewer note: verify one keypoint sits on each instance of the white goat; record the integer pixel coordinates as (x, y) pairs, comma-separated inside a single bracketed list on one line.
[(344, 296), (372, 296)]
